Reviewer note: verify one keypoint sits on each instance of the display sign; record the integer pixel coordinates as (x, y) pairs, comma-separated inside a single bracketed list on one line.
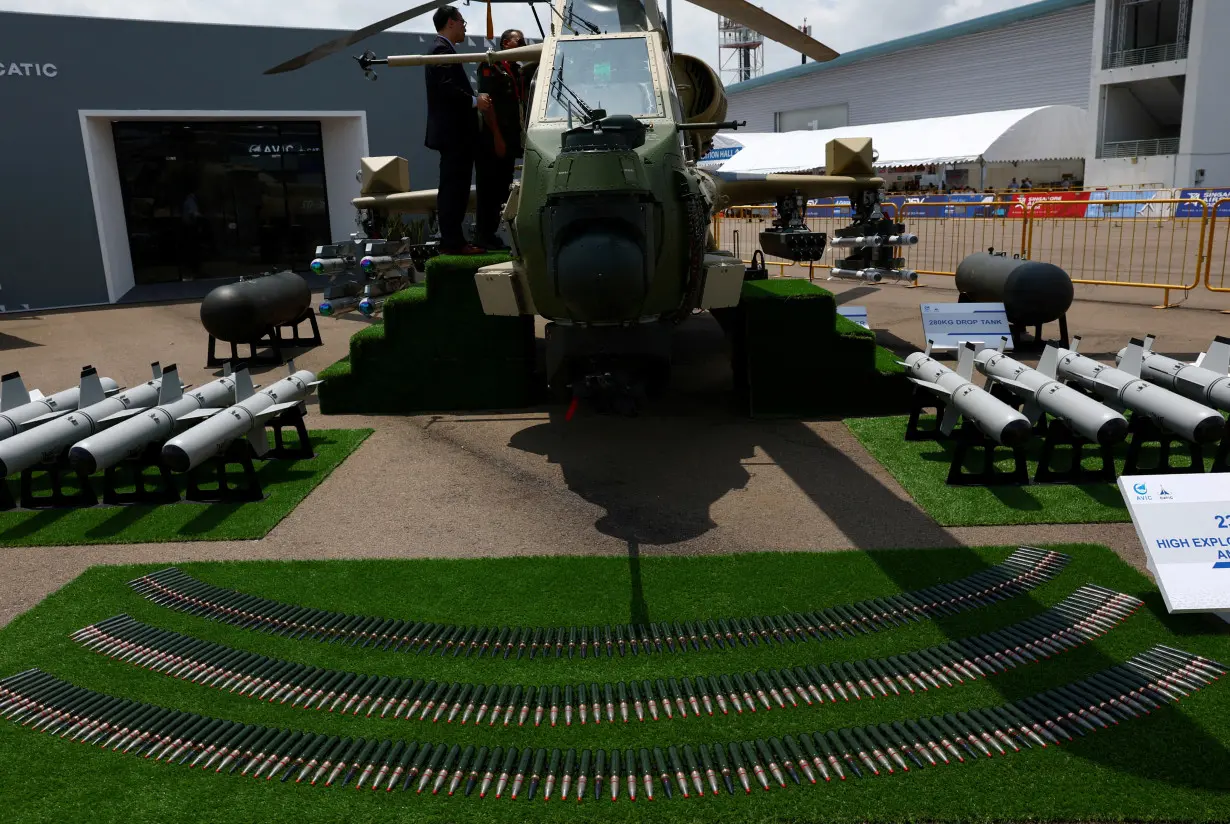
[(855, 314), (1183, 522), (948, 325)]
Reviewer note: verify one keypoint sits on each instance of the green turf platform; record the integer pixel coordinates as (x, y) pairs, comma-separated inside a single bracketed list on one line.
[(793, 355), (285, 483), (436, 351), (1172, 765), (922, 468)]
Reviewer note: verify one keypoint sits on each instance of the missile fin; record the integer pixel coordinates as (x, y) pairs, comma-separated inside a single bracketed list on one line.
[(1149, 342), (156, 368), (199, 414), (122, 414), (1049, 363), (1076, 343), (927, 351), (91, 391), (171, 389), (1217, 359), (290, 367), (258, 441), (1003, 343), (44, 418), (226, 369), (1013, 384), (1133, 358), (13, 392), (965, 361), (275, 410), (951, 414), (243, 384), (931, 387)]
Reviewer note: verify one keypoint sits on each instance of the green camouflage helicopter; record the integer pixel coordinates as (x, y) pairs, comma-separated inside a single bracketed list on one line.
[(611, 220)]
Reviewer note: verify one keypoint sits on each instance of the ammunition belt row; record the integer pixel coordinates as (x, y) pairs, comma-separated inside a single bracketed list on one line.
[(1025, 569), (1148, 681), (1085, 614)]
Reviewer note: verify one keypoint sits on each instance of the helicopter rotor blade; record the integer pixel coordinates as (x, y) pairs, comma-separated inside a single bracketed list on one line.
[(334, 46), (522, 53), (776, 29)]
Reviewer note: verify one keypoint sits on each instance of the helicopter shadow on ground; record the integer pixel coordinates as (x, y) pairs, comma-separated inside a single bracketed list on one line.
[(658, 476)]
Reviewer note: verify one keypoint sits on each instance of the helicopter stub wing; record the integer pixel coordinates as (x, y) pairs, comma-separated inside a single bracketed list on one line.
[(522, 54), (418, 202), (776, 29), (735, 190)]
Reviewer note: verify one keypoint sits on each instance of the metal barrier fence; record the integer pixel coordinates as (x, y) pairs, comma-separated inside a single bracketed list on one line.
[(1169, 244), (1217, 251)]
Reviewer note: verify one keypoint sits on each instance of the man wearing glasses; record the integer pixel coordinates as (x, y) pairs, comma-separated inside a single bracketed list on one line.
[(452, 130)]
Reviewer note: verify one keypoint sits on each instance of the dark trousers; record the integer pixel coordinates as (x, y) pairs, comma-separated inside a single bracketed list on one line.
[(456, 169), (493, 179)]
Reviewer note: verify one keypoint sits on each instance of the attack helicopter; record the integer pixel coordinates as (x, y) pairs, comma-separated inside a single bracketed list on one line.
[(611, 219)]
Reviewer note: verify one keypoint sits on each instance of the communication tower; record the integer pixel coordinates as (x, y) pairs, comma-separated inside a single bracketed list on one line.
[(741, 50), (806, 29)]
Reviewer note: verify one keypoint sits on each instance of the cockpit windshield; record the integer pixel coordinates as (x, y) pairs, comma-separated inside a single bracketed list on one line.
[(607, 16), (611, 74)]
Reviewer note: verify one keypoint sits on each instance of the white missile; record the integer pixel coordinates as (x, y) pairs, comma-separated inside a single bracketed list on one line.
[(875, 275), (44, 443), (21, 409), (130, 438), (1123, 388), (246, 418), (1208, 382), (997, 420), (1043, 393)]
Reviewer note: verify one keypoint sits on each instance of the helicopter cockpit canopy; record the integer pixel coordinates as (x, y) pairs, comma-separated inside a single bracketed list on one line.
[(609, 73), (606, 16)]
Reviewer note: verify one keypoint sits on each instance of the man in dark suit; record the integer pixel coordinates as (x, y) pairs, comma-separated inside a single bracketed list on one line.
[(452, 130)]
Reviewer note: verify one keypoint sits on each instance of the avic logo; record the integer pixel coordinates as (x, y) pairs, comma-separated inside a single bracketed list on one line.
[(1141, 489)]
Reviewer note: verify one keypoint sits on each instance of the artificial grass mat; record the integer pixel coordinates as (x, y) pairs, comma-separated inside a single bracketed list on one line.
[(285, 483), (1172, 764), (922, 468)]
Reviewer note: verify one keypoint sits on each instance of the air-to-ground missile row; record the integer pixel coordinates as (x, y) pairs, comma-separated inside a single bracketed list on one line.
[(384, 267), (1087, 613), (1146, 682), (1178, 401), (97, 427), (1023, 570)]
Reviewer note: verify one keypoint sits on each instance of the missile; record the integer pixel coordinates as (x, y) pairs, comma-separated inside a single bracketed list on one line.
[(331, 307), (21, 409), (328, 266), (1207, 381), (44, 443), (1043, 393), (1125, 389), (130, 438), (874, 241), (247, 417), (998, 421), (874, 275)]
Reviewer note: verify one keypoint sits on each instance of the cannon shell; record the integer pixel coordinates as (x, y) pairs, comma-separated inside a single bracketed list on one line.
[(242, 312), (1033, 292)]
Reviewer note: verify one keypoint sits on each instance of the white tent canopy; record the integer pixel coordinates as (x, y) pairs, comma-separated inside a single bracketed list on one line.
[(1043, 133)]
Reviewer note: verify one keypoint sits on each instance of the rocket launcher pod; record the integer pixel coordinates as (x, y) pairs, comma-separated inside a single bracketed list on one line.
[(998, 421), (1124, 388)]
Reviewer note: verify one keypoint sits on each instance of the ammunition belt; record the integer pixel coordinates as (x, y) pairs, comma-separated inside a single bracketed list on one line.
[(1022, 571), (1087, 613), (1148, 681)]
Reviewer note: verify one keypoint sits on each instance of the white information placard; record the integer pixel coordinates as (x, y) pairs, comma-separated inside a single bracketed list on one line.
[(1183, 522), (949, 325), (855, 314)]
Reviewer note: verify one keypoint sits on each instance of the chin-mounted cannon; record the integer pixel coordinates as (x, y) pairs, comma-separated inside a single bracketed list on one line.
[(872, 244), (790, 238)]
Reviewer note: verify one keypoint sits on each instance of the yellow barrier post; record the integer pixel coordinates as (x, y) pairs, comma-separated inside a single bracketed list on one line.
[(1211, 250)]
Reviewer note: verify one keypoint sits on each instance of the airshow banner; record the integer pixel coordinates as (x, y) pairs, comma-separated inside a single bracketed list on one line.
[(1209, 196)]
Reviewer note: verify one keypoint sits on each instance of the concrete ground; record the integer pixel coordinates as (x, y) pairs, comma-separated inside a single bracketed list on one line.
[(687, 477)]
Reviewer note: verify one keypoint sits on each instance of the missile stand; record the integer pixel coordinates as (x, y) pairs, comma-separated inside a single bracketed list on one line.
[(968, 440), (211, 482), (1056, 433)]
